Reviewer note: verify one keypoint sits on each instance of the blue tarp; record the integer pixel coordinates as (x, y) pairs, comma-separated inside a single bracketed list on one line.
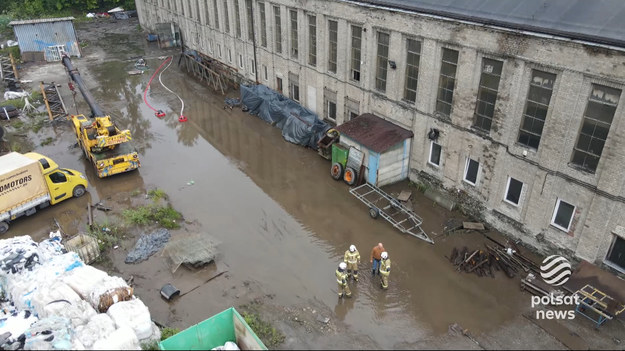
[(299, 125)]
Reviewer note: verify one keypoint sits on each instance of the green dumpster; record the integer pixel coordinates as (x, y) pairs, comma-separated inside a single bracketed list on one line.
[(339, 154), (215, 331)]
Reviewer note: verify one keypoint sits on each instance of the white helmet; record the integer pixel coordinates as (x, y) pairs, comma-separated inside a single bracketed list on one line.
[(342, 265), (384, 255), (352, 248)]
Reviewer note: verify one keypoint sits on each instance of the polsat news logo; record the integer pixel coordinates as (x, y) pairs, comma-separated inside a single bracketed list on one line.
[(555, 270)]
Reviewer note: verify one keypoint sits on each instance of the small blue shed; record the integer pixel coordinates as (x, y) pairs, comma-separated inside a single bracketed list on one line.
[(386, 147), (45, 39)]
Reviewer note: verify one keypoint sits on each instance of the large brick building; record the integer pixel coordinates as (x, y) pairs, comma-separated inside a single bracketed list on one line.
[(525, 96)]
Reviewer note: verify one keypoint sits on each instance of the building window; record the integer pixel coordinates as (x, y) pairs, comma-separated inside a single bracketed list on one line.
[(252, 66), (294, 34), (470, 171), (382, 62), (250, 20), (596, 124), (263, 24), (435, 154), (487, 94), (329, 108), (536, 105), (277, 29), (332, 45), (265, 75), (312, 40), (413, 50), (279, 84), (563, 215), (216, 10), (230, 55), (197, 11), (226, 17), (447, 82), (210, 46), (219, 50), (513, 191), (294, 86), (356, 47), (616, 254), (237, 18), (241, 61), (352, 109)]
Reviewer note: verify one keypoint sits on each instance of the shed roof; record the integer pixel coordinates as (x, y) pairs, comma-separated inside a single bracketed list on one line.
[(373, 132), (598, 21), (41, 20)]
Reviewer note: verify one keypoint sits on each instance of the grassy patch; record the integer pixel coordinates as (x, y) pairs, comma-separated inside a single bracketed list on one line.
[(37, 123), (270, 336), (107, 235), (150, 346), (421, 187), (157, 194), (47, 141), (18, 124), (167, 332), (16, 147), (136, 192), (166, 216)]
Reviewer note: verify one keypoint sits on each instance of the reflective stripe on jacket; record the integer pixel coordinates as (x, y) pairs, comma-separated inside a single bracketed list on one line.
[(341, 277), (385, 267), (352, 257)]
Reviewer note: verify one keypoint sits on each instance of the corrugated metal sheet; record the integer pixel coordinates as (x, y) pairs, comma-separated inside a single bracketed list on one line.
[(374, 133), (41, 20), (599, 21), (36, 37)]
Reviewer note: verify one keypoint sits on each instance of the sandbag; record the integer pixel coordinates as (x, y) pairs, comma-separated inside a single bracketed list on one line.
[(100, 327), (121, 339), (84, 280), (133, 314), (109, 291)]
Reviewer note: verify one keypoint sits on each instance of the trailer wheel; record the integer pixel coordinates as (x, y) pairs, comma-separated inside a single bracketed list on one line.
[(350, 176), (374, 212), (336, 171), (79, 191), (4, 227)]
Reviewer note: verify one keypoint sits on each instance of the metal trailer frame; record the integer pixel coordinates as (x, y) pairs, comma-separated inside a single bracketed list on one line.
[(382, 204)]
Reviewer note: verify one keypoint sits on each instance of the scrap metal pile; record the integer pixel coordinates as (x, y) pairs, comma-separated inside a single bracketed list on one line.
[(51, 300), (486, 262)]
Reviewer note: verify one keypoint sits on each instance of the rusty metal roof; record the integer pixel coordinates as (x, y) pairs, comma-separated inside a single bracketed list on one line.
[(373, 132), (41, 20)]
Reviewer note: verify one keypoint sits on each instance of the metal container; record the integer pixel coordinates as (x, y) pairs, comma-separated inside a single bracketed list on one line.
[(339, 154)]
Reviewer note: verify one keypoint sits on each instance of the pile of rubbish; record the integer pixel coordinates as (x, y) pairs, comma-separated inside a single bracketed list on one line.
[(52, 300)]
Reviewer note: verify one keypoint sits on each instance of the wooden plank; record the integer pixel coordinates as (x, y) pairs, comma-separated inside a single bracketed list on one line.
[(404, 195), (472, 225)]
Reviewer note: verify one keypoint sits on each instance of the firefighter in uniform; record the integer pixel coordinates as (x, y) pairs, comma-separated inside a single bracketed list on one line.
[(385, 269), (341, 279), (352, 258)]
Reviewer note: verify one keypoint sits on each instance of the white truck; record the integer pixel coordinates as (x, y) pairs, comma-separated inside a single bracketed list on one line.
[(32, 181)]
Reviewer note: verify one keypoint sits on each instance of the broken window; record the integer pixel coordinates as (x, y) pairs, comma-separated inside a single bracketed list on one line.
[(312, 40), (241, 61), (356, 47), (294, 34), (279, 84), (237, 18), (226, 17), (616, 254), (216, 10), (435, 154), (329, 98), (352, 109), (265, 76), (250, 20), (252, 66), (513, 192), (536, 105), (332, 45), (263, 24), (413, 50), (382, 62), (487, 94), (471, 170), (447, 82), (294, 86), (277, 29), (230, 55), (563, 215), (595, 127)]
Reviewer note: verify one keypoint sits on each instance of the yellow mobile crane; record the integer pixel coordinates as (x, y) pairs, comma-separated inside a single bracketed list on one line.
[(109, 149)]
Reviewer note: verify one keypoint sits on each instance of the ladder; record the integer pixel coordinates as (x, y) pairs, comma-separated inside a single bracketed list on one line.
[(595, 300), (53, 100)]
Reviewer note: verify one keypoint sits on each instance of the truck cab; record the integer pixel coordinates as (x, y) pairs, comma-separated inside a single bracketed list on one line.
[(62, 183)]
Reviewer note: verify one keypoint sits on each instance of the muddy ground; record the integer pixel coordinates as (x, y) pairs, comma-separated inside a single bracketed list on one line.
[(281, 222)]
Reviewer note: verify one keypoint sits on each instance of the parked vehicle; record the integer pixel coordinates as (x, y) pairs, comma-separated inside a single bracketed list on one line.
[(32, 181)]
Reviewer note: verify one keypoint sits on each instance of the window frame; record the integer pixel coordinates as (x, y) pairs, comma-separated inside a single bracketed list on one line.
[(277, 29), (381, 64), (482, 87), (440, 152), (353, 49), (294, 35), (333, 55), (312, 40), (263, 23), (555, 212), (440, 88), (526, 115), (226, 17), (505, 196), (407, 77), (466, 172), (607, 259)]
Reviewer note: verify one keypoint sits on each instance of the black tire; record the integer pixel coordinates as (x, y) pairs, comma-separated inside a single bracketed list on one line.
[(336, 171), (349, 176), (78, 191), (4, 227), (374, 212)]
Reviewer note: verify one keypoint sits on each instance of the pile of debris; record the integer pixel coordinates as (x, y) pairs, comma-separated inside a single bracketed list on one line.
[(51, 300), (483, 262)]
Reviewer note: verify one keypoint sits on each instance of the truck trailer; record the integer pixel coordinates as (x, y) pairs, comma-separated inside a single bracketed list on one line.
[(32, 181)]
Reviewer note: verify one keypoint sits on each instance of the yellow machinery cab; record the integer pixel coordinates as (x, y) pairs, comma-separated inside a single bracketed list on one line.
[(62, 183)]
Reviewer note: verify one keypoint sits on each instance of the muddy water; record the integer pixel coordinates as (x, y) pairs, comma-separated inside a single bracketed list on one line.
[(282, 222)]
